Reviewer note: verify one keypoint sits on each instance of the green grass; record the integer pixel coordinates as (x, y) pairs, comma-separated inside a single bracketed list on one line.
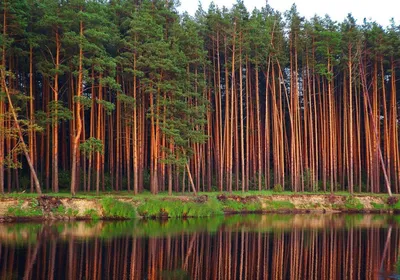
[(396, 206), (279, 205), (31, 210), (147, 194), (353, 203), (60, 210), (378, 206), (238, 206), (159, 207), (114, 208), (71, 212), (181, 205), (92, 214)]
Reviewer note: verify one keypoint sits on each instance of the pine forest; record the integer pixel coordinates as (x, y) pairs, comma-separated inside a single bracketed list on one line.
[(130, 95)]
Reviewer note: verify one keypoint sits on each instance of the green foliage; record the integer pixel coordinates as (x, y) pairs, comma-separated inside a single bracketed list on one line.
[(92, 213), (178, 274), (176, 208), (60, 210), (22, 210), (279, 205), (71, 212), (85, 101), (353, 203), (392, 200), (396, 206), (239, 206), (179, 68), (126, 99), (11, 159), (114, 208), (309, 183), (108, 106), (253, 183), (378, 206), (278, 188), (64, 179), (24, 181), (58, 112), (92, 145)]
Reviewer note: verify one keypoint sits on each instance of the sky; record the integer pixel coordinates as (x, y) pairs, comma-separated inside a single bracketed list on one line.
[(380, 11)]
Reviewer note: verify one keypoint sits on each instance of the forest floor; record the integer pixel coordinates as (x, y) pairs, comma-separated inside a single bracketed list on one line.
[(124, 205)]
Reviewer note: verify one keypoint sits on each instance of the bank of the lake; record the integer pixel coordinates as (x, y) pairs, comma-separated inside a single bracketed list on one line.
[(21, 206)]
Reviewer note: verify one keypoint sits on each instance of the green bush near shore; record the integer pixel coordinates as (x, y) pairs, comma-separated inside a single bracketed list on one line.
[(238, 206), (378, 206), (30, 210), (92, 214), (177, 208), (114, 208), (353, 203), (279, 205)]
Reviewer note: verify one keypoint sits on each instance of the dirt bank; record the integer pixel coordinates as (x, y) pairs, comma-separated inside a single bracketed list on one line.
[(126, 207)]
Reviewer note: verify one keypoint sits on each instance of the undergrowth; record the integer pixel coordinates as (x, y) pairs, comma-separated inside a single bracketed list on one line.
[(378, 206), (92, 214), (279, 205), (177, 208), (32, 209), (114, 208), (238, 206), (353, 203)]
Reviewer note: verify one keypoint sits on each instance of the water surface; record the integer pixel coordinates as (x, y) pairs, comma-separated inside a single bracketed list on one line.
[(232, 247)]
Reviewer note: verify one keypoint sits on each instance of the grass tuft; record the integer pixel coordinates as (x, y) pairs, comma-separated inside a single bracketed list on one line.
[(378, 206), (92, 214), (114, 208), (279, 205), (30, 210), (176, 209), (353, 203)]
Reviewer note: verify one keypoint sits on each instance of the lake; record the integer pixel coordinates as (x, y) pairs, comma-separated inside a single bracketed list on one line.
[(308, 246)]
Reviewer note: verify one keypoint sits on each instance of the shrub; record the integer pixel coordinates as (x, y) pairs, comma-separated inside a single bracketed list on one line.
[(24, 182), (353, 203), (32, 210), (92, 214), (59, 210), (378, 206), (64, 180), (278, 188), (71, 212), (279, 205), (239, 206), (392, 200), (177, 209), (117, 209)]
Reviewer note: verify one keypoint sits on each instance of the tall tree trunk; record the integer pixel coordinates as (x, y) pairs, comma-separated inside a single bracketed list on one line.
[(77, 133), (55, 121)]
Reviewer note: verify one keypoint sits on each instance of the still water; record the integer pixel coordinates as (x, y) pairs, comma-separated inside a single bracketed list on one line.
[(232, 247)]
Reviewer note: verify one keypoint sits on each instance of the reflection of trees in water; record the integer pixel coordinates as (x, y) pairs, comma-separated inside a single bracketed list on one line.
[(331, 253)]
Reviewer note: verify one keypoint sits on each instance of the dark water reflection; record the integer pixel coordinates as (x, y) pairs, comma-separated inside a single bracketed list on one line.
[(235, 247)]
